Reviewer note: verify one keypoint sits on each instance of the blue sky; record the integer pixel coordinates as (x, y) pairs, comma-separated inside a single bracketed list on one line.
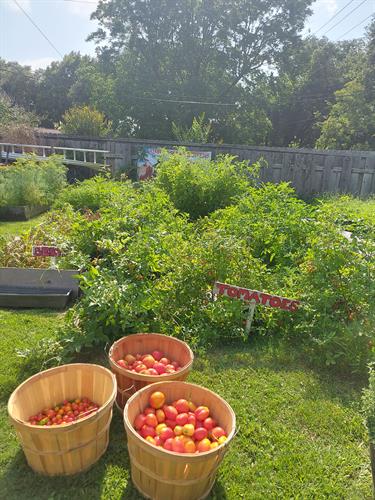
[(67, 24)]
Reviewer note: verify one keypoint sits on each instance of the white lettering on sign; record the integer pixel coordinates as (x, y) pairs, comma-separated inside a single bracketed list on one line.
[(44, 251), (255, 297)]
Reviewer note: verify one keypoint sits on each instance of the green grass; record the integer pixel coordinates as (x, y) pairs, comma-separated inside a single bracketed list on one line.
[(18, 227), (301, 434)]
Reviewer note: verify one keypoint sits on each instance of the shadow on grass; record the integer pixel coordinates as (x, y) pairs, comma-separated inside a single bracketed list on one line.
[(19, 481), (109, 478), (278, 356)]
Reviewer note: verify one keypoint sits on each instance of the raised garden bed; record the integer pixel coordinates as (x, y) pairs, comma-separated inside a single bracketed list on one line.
[(19, 213), (37, 288)]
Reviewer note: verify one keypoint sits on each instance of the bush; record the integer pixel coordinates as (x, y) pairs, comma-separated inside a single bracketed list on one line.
[(91, 194), (151, 269), (32, 182), (85, 121), (199, 188)]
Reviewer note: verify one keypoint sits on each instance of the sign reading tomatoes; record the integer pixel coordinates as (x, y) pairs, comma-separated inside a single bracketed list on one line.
[(255, 297), (44, 251)]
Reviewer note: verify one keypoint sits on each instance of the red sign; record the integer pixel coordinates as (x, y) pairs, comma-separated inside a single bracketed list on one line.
[(255, 297), (44, 251)]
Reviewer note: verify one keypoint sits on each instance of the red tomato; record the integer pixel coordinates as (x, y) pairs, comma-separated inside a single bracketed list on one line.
[(178, 445), (200, 434), (148, 431), (209, 423), (170, 412), (202, 412), (157, 355), (149, 410), (217, 432), (168, 444), (139, 421), (151, 420), (159, 367), (182, 418), (166, 433), (182, 406)]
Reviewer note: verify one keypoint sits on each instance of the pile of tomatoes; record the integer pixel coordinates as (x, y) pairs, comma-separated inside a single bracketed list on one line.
[(181, 427), (65, 412), (155, 363)]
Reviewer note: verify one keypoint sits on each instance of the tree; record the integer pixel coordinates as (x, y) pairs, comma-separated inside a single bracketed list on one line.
[(308, 76), (351, 121), (200, 51), (54, 96), (85, 121), (198, 132), (20, 84), (16, 124)]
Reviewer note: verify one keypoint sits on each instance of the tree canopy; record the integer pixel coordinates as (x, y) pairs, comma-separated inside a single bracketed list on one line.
[(162, 64)]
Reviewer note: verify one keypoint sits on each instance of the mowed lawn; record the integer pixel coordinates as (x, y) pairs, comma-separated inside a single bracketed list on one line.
[(16, 228), (301, 434)]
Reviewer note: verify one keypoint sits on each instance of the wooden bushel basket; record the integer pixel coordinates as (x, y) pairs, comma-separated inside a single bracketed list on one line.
[(74, 447), (159, 474), (129, 382)]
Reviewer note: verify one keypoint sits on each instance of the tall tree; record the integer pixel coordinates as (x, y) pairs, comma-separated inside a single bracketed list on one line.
[(308, 76), (54, 96), (190, 50), (20, 83)]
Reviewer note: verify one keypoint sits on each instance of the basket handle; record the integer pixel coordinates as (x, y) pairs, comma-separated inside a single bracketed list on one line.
[(123, 391)]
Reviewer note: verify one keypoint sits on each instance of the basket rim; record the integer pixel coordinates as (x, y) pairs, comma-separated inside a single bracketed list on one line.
[(68, 426), (179, 456), (149, 378)]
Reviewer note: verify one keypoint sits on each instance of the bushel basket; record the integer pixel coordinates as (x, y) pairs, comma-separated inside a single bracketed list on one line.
[(74, 447), (129, 382), (165, 475)]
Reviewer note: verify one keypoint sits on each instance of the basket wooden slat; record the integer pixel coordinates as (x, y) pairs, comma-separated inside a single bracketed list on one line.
[(129, 382), (160, 474), (71, 448)]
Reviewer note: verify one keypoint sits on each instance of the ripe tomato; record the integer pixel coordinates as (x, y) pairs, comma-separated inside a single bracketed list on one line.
[(157, 400)]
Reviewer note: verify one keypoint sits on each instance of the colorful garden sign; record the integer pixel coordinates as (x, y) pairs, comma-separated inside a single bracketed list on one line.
[(149, 157), (254, 298), (45, 251)]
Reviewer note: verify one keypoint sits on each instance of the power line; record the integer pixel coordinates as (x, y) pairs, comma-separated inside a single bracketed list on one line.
[(177, 101), (343, 19), (37, 27), (356, 26), (333, 17)]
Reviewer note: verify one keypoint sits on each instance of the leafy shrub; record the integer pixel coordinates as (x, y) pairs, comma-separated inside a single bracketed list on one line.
[(151, 269), (85, 121), (271, 220), (199, 131), (91, 194), (32, 182), (199, 188)]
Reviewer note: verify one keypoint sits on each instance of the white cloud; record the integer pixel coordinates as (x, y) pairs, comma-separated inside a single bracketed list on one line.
[(25, 4), (83, 9), (42, 62), (330, 6)]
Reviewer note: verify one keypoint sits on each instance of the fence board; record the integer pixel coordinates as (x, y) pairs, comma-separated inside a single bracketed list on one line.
[(311, 172)]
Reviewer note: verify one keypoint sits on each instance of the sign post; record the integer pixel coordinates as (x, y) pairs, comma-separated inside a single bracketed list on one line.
[(45, 251), (254, 298)]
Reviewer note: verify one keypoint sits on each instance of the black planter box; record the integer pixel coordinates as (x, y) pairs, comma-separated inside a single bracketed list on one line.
[(37, 288), (24, 212)]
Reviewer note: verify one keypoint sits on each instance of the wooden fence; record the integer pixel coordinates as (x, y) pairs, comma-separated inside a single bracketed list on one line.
[(310, 171)]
